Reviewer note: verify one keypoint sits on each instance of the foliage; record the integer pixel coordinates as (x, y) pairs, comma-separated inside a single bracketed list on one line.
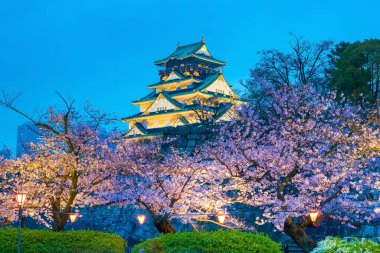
[(209, 242), (67, 168), (43, 241), (163, 180), (339, 245), (303, 152), (357, 71), (334, 57)]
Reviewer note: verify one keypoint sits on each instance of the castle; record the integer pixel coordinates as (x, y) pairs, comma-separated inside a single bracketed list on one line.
[(191, 90)]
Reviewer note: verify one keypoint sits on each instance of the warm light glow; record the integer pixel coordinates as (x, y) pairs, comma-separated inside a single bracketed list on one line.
[(21, 198), (141, 218), (221, 218), (377, 210), (313, 216), (73, 217)]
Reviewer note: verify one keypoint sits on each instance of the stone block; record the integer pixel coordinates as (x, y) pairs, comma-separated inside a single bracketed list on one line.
[(194, 130), (203, 129), (191, 143), (173, 131), (180, 130), (192, 136), (166, 130), (182, 143)]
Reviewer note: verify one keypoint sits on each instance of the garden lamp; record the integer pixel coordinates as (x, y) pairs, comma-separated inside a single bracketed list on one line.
[(221, 218), (313, 216), (141, 218), (21, 198), (73, 217)]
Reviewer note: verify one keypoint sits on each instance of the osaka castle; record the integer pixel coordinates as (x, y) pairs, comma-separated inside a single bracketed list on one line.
[(191, 89)]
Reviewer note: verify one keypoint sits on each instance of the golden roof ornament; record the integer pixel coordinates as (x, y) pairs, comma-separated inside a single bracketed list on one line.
[(178, 45), (220, 70), (203, 40)]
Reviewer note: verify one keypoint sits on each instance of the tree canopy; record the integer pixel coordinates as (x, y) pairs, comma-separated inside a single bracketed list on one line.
[(356, 73), (304, 152)]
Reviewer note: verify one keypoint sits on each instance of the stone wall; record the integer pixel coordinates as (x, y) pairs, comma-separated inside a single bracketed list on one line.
[(189, 136)]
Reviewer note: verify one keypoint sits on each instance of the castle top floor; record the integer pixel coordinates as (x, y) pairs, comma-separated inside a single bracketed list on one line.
[(192, 60)]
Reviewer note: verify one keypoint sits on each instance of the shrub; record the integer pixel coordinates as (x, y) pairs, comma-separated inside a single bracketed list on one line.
[(339, 245), (209, 242), (45, 241)]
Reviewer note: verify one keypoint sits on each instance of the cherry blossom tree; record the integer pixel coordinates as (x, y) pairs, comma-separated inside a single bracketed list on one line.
[(302, 152), (167, 182), (67, 168), (6, 206)]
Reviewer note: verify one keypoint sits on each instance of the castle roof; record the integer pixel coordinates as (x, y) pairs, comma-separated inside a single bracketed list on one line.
[(143, 132), (199, 87), (184, 109), (173, 81), (157, 113), (197, 50)]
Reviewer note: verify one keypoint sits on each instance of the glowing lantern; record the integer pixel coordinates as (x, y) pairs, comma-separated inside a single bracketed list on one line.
[(21, 198), (141, 218), (377, 210), (313, 216), (73, 217), (221, 218)]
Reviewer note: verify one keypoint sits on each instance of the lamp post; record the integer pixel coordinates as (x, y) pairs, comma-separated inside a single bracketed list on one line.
[(20, 198)]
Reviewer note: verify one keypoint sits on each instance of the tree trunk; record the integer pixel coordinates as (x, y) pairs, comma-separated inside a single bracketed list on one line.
[(60, 217), (59, 221), (163, 225), (299, 236)]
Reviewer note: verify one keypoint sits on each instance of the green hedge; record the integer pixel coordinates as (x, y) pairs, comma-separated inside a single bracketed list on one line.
[(339, 245), (45, 241), (209, 242)]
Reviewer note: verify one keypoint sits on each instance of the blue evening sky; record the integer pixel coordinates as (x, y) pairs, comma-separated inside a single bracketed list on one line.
[(102, 51)]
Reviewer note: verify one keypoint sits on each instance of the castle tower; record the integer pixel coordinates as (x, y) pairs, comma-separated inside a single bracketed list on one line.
[(191, 89)]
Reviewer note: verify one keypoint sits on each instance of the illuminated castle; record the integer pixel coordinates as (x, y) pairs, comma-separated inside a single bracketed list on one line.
[(191, 90)]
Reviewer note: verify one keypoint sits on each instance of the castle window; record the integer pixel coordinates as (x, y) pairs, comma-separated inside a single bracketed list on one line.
[(161, 108), (219, 91)]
